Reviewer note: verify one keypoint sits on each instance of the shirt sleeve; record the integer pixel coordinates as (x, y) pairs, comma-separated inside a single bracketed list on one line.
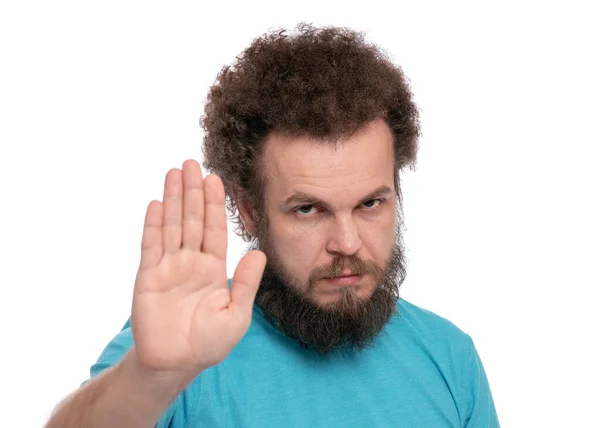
[(480, 404), (114, 352)]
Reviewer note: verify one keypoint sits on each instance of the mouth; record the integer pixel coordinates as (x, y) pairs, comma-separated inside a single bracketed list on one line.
[(344, 280)]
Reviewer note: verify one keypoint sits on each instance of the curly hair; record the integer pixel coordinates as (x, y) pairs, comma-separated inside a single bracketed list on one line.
[(326, 83)]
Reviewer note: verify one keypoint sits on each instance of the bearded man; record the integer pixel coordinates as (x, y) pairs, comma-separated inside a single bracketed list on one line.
[(305, 136)]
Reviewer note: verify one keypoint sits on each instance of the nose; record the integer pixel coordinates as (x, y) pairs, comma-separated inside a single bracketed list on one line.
[(344, 237)]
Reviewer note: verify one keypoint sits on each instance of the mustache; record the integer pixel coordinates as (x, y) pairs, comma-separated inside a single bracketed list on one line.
[(346, 265)]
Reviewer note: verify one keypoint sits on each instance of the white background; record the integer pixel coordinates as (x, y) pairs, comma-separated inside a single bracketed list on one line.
[(99, 99)]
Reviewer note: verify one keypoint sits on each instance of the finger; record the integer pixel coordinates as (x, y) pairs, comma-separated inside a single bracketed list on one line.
[(152, 249), (193, 205), (215, 220), (172, 201), (245, 282)]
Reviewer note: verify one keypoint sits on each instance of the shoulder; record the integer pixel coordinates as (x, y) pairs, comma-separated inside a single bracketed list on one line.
[(433, 330), (114, 351), (425, 319)]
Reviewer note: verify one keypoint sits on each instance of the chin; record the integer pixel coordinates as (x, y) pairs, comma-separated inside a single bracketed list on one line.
[(329, 299)]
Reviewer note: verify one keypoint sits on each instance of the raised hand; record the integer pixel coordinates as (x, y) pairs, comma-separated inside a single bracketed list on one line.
[(184, 317)]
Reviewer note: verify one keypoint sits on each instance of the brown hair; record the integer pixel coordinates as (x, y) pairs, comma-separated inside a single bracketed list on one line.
[(326, 83)]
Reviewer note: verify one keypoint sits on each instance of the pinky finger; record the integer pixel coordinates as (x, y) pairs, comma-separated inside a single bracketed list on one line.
[(152, 248)]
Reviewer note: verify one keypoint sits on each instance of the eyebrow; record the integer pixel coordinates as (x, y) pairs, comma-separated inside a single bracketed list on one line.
[(307, 199)]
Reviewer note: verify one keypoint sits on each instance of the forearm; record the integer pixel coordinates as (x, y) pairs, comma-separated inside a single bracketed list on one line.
[(123, 396)]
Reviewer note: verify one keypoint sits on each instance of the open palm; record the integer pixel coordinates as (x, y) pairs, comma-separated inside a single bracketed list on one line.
[(184, 316)]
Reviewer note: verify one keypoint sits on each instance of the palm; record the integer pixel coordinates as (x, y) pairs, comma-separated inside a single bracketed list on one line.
[(184, 317)]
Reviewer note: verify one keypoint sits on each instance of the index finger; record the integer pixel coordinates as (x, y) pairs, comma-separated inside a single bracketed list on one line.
[(193, 205), (214, 239)]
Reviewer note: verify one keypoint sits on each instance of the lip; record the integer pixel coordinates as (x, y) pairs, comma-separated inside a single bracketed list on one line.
[(344, 281)]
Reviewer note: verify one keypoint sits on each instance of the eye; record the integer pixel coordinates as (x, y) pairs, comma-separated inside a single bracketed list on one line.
[(306, 210), (372, 203)]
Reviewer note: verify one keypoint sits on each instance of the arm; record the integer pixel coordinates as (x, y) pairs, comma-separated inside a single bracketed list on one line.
[(481, 403), (184, 317), (125, 395)]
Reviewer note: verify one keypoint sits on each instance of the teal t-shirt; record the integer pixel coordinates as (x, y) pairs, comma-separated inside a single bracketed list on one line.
[(422, 372)]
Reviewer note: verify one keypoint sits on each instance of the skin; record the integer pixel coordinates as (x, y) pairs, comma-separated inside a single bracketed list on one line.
[(185, 318), (335, 211)]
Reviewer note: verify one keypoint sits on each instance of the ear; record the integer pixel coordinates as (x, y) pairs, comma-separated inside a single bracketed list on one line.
[(247, 217), (246, 212)]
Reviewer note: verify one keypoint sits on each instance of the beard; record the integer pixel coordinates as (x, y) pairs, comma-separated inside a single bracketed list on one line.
[(350, 323)]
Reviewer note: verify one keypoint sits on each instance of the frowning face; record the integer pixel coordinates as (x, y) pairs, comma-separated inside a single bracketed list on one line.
[(331, 211), (331, 243)]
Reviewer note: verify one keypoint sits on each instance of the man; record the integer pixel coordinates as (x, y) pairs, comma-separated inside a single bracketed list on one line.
[(306, 135)]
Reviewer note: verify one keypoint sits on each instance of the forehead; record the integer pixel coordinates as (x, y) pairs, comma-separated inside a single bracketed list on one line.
[(346, 169)]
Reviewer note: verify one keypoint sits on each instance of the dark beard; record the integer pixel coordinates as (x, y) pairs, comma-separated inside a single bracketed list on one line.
[(351, 323)]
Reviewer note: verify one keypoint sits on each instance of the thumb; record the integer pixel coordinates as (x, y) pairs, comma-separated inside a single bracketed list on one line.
[(245, 282)]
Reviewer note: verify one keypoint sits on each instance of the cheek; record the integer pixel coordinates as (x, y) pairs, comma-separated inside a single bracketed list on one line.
[(299, 249), (378, 238)]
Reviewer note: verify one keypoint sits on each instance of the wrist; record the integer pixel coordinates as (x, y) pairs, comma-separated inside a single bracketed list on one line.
[(163, 385)]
